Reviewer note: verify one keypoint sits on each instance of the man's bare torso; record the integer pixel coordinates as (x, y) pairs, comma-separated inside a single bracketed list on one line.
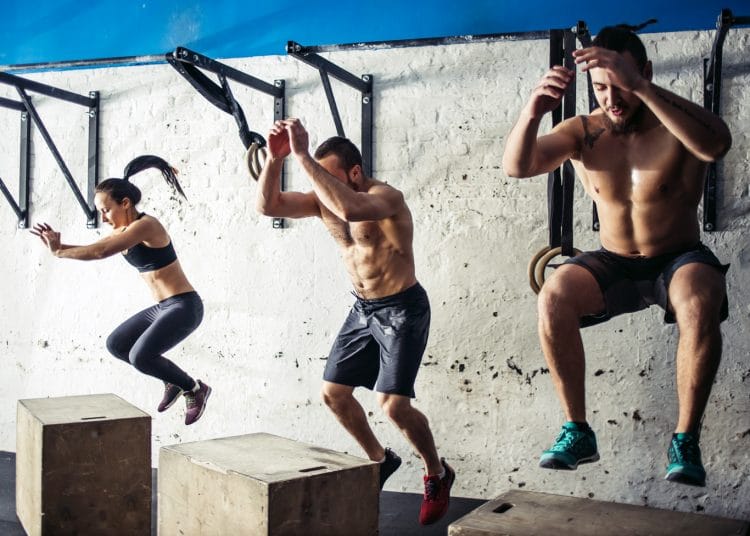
[(646, 186), (377, 254)]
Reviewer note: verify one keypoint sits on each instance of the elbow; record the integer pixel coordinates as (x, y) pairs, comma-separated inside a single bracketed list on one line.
[(515, 169)]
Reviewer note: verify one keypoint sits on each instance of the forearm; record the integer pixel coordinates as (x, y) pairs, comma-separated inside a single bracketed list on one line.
[(521, 146), (81, 253), (269, 187), (700, 131), (332, 193)]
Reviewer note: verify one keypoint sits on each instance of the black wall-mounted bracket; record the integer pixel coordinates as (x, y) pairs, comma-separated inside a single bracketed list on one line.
[(91, 102), (584, 37), (712, 102), (186, 62), (362, 84), (22, 207)]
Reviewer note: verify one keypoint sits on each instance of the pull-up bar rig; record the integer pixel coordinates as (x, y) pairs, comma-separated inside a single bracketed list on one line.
[(186, 62), (712, 101), (22, 207), (91, 102), (363, 84)]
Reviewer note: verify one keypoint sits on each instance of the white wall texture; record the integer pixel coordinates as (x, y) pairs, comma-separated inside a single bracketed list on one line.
[(275, 298)]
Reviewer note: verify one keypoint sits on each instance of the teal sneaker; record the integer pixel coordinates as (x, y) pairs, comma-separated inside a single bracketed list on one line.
[(685, 464), (574, 445)]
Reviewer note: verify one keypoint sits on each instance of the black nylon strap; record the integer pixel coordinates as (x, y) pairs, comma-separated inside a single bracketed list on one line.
[(554, 177), (568, 173), (218, 95)]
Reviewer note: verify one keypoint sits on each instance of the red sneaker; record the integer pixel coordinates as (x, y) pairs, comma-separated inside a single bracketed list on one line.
[(436, 495)]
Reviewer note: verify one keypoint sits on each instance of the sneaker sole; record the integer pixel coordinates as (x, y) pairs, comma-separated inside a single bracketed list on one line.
[(681, 478), (205, 403), (554, 463)]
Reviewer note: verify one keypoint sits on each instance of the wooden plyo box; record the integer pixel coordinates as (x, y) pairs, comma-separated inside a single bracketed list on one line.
[(264, 484), (83, 466), (526, 513)]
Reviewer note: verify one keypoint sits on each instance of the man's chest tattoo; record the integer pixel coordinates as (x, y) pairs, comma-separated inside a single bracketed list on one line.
[(589, 138)]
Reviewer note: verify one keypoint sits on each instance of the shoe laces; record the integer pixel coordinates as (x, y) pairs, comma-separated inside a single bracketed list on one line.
[(431, 489), (565, 440), (686, 450), (190, 399)]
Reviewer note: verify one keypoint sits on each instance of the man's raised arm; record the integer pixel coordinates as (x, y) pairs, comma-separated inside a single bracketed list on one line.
[(526, 155), (270, 200)]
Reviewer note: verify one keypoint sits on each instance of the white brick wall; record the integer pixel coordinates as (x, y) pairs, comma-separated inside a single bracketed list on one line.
[(275, 299)]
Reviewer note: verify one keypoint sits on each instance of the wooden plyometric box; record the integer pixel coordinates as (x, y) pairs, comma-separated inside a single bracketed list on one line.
[(83, 466), (261, 484), (526, 513)]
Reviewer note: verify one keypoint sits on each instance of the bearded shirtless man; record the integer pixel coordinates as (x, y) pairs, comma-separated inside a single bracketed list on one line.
[(642, 157)]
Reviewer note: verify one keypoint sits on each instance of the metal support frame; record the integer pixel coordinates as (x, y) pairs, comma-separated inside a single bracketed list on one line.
[(186, 62), (21, 208), (712, 102), (584, 37), (91, 102), (363, 84)]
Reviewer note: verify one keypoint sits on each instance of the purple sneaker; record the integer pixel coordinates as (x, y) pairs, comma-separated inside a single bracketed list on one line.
[(195, 402), (171, 394)]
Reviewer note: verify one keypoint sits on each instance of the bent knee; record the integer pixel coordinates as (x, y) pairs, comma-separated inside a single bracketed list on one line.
[(334, 397), (116, 348), (395, 408), (572, 292)]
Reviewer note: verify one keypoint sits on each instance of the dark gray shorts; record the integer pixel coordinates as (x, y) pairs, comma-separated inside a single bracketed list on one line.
[(381, 343), (632, 284)]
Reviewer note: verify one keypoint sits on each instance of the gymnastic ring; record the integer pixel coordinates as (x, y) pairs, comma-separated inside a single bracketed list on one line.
[(540, 262), (252, 160), (532, 266)]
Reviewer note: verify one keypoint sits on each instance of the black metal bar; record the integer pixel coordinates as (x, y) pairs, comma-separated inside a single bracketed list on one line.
[(199, 60), (13, 105), (23, 168), (90, 213), (331, 102), (432, 41), (304, 55), (712, 102), (367, 116), (584, 36), (363, 85), (11, 201), (279, 112), (44, 89), (93, 157)]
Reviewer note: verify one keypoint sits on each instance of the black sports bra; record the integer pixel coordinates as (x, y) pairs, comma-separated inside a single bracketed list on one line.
[(147, 259)]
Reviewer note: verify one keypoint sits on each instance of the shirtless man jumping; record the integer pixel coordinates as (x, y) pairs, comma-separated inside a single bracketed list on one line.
[(642, 157), (382, 340)]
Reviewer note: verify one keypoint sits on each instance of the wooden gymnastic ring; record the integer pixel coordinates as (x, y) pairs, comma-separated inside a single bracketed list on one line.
[(543, 261), (252, 160), (532, 267)]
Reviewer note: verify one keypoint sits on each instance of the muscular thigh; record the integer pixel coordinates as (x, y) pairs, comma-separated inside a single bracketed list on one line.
[(697, 285), (574, 286)]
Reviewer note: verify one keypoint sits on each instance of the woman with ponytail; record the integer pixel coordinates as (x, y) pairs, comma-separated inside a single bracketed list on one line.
[(142, 339)]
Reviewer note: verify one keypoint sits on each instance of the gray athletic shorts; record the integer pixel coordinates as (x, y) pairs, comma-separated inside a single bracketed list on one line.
[(632, 284), (381, 343)]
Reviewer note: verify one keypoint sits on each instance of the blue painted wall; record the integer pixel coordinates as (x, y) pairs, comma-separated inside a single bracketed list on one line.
[(50, 31)]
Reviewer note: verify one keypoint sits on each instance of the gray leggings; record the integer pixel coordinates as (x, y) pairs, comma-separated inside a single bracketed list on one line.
[(144, 337)]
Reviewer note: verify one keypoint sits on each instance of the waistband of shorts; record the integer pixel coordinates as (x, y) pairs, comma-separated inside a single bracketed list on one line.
[(698, 246), (183, 296), (405, 295)]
